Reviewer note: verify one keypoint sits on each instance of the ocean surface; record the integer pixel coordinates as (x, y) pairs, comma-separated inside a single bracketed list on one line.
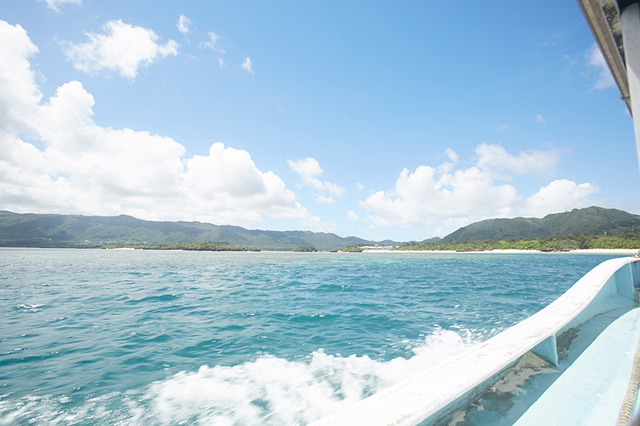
[(157, 337)]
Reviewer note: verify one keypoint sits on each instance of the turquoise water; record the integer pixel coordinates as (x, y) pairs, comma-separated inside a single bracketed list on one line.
[(139, 337)]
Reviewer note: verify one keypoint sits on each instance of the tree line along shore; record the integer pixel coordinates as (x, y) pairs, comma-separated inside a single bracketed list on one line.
[(184, 245), (549, 244), (558, 243)]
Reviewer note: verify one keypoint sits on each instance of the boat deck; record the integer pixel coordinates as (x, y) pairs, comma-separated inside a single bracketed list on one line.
[(591, 391)]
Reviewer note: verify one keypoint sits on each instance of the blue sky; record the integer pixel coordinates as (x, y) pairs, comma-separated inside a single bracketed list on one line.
[(401, 120)]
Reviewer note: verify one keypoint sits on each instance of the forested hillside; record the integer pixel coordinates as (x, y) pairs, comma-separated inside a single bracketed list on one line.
[(51, 230), (587, 221)]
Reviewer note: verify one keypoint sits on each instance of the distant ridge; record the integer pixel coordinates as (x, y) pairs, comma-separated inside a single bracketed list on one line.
[(55, 230), (589, 221)]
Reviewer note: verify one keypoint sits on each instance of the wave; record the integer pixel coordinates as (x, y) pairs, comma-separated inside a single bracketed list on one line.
[(30, 307), (267, 390)]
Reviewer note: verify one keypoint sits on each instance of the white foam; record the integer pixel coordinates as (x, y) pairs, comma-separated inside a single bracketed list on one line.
[(30, 307), (269, 390)]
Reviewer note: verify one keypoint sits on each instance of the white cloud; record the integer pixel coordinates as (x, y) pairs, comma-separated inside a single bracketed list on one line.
[(247, 65), (123, 48), (495, 157), (451, 155), (228, 181), (212, 43), (184, 24), (596, 60), (353, 215), (439, 200), (559, 195), (449, 165), (309, 171), (88, 169), (19, 95), (426, 199), (234, 173), (323, 199), (503, 127), (55, 4), (540, 119)]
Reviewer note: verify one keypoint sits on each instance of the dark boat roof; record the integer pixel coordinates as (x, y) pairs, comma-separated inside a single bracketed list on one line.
[(603, 17)]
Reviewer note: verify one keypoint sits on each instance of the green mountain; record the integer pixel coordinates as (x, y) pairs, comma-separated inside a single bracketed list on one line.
[(53, 230), (588, 221)]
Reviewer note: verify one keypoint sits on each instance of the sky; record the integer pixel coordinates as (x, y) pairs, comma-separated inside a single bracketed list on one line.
[(377, 119)]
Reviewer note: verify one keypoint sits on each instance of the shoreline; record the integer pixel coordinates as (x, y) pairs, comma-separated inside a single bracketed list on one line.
[(629, 252)]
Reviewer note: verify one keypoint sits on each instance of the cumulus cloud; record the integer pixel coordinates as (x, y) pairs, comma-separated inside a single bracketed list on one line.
[(55, 4), (247, 65), (424, 198), (19, 95), (441, 199), (309, 171), (559, 195), (184, 24), (597, 61), (228, 181), (123, 48), (88, 169), (497, 158)]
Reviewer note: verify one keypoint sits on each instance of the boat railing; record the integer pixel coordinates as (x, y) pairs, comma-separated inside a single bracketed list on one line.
[(434, 394)]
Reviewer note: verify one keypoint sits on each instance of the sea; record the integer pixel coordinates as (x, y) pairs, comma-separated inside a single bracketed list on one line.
[(234, 338)]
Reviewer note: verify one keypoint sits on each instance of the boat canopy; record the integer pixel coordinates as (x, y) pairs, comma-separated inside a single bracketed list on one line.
[(615, 25)]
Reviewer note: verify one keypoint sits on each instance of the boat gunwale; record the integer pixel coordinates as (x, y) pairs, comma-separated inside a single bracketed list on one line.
[(430, 394)]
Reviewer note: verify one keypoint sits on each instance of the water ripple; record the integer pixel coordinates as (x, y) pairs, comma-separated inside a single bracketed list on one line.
[(122, 337)]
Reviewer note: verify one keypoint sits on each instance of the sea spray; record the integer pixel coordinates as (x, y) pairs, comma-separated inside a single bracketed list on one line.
[(271, 390), (268, 390)]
